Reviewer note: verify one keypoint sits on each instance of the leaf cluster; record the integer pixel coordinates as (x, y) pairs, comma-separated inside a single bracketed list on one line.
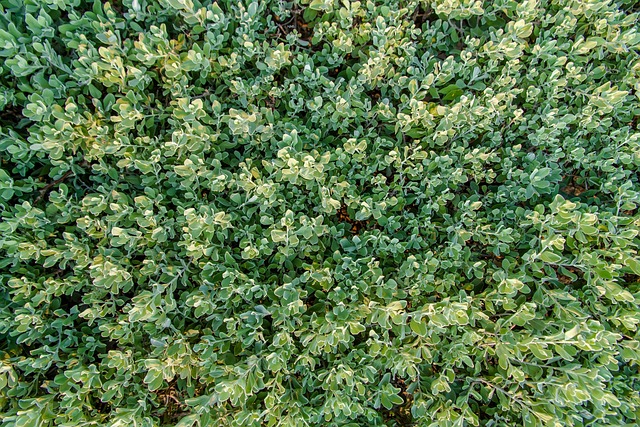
[(319, 213)]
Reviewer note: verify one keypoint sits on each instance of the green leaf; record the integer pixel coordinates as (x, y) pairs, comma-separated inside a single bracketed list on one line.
[(633, 264), (188, 421), (321, 5), (418, 327), (550, 257), (154, 379)]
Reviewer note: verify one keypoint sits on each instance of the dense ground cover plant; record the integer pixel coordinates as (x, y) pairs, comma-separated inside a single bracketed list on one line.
[(319, 213)]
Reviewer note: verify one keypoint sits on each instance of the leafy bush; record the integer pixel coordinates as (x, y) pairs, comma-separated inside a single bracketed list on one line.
[(319, 213)]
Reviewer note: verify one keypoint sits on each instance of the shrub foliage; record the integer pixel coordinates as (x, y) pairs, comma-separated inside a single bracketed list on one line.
[(319, 213)]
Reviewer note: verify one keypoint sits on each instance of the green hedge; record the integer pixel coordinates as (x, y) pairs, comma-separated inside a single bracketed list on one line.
[(319, 213)]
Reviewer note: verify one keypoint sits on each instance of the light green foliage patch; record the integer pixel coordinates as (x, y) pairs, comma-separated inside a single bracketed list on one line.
[(319, 213)]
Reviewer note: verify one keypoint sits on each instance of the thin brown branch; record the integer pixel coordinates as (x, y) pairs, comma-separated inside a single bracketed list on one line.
[(49, 186)]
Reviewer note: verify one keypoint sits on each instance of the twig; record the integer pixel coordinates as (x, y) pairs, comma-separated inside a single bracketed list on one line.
[(202, 95), (172, 397), (284, 32), (500, 389), (49, 186)]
